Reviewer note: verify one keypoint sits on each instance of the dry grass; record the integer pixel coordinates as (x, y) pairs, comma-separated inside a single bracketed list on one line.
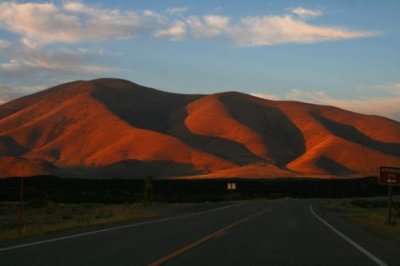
[(44, 217), (370, 214), (376, 220), (344, 206)]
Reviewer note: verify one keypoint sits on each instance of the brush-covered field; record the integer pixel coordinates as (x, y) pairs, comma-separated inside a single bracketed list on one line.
[(45, 216), (371, 214)]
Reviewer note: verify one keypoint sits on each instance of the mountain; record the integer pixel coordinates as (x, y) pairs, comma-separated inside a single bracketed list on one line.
[(113, 128)]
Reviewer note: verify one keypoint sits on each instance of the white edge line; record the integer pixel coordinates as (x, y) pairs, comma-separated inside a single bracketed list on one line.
[(114, 228), (349, 240)]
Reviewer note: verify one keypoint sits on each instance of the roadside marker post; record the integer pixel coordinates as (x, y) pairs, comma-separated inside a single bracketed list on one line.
[(148, 190), (389, 176), (21, 207), (390, 188)]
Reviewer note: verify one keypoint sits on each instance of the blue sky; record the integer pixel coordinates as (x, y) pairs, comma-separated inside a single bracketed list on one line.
[(342, 53)]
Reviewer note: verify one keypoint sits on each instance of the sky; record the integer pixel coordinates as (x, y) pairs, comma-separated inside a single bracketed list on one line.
[(334, 52)]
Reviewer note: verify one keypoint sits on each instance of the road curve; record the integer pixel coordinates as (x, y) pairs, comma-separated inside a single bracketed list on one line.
[(279, 232)]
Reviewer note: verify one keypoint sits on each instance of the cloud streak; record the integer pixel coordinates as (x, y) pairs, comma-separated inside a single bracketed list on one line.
[(63, 60), (270, 30), (306, 13), (29, 70), (8, 93)]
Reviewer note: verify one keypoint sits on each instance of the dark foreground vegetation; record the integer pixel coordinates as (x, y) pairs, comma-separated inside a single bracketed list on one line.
[(45, 216), (370, 213), (50, 188)]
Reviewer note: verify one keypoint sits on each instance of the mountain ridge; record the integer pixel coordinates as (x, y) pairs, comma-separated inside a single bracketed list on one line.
[(114, 128)]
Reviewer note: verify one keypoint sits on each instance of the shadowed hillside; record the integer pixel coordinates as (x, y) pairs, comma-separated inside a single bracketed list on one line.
[(112, 128), (267, 121)]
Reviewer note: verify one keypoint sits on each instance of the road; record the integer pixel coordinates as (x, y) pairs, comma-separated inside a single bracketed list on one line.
[(279, 232)]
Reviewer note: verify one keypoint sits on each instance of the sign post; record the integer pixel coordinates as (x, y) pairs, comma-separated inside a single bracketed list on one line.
[(148, 190), (21, 207), (389, 220), (389, 176)]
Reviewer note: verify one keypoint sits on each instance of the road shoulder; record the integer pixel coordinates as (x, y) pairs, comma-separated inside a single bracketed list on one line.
[(384, 247)]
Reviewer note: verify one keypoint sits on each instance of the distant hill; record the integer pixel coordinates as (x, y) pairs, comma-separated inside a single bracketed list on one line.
[(112, 128)]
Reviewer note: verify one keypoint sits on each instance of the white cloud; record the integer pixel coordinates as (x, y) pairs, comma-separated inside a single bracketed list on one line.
[(77, 7), (305, 13), (269, 30), (175, 32), (265, 96), (43, 23), (209, 26), (37, 22)]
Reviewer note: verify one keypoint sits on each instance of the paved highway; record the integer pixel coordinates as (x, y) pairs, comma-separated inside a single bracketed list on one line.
[(280, 232)]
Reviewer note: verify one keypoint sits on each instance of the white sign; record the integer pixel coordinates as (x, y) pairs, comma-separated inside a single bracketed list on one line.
[(231, 186)]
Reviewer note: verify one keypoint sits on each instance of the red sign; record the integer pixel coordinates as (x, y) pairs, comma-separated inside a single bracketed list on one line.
[(389, 176)]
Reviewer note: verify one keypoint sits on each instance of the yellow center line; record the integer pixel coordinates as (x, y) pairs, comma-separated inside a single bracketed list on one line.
[(216, 234)]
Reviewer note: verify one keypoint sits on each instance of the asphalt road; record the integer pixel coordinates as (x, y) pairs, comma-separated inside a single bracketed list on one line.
[(280, 232)]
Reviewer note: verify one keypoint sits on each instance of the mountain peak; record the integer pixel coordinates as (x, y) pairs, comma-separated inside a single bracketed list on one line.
[(113, 82)]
